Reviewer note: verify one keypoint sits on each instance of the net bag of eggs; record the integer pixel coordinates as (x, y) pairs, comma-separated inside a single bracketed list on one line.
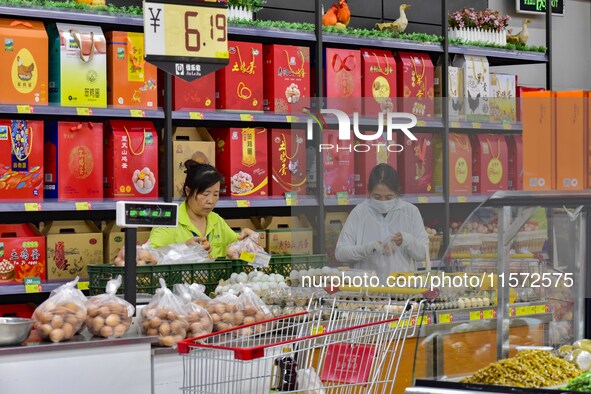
[(109, 316), (222, 310), (253, 310), (165, 317), (198, 318), (61, 316)]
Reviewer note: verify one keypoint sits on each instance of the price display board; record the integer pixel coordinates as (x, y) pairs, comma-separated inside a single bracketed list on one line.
[(146, 214), (186, 39), (539, 6)]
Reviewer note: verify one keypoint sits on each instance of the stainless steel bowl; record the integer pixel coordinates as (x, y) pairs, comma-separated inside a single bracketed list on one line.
[(14, 330)]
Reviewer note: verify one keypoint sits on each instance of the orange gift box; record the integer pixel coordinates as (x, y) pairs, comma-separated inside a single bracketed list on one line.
[(22, 253), (131, 160), (515, 149), (131, 80), (239, 85), (539, 141), (343, 80), (241, 157), (379, 81), (415, 83), (74, 160), (490, 164), (523, 89), (339, 165), (24, 57), (415, 164), (287, 78), (366, 161), (571, 141), (287, 161), (21, 160)]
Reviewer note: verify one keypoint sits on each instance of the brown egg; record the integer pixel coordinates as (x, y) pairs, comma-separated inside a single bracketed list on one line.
[(119, 330), (60, 310), (227, 317), (106, 331), (175, 327), (80, 315), (223, 326), (152, 332), (45, 330), (112, 320), (144, 313), (97, 324), (72, 306), (44, 317), (92, 310), (249, 320), (164, 329), (166, 341), (162, 313), (249, 311), (68, 331), (178, 338), (260, 328), (170, 316), (126, 322), (146, 325), (211, 309), (216, 318), (155, 322), (72, 319), (56, 335), (57, 321), (248, 331), (220, 309), (104, 311), (260, 316), (238, 317), (195, 328)]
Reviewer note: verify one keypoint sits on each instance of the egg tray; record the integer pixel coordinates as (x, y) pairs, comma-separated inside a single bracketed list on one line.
[(283, 264)]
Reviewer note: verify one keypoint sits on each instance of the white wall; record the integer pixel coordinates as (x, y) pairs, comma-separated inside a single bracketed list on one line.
[(571, 45)]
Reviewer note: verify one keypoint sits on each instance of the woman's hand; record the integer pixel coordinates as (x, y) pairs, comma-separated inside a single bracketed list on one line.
[(245, 233), (397, 238), (199, 241)]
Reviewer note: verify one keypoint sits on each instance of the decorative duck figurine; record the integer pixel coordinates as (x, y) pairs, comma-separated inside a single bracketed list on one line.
[(522, 36), (399, 25)]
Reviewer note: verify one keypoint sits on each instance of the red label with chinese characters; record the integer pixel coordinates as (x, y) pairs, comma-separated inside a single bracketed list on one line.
[(339, 165), (287, 161), (196, 95), (131, 168), (346, 363), (379, 81), (415, 164), (415, 83), (489, 163), (22, 253), (343, 80), (239, 85)]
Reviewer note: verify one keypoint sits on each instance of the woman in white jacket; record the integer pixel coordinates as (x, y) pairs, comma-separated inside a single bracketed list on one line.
[(383, 234)]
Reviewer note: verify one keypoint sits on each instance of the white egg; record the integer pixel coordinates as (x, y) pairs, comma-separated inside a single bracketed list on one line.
[(293, 273), (218, 290), (279, 278), (272, 285), (256, 279), (234, 276), (252, 274), (302, 273), (461, 303), (326, 270), (283, 285), (242, 279), (264, 286), (256, 288)]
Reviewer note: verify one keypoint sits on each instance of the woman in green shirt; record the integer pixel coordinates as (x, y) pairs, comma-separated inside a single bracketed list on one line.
[(197, 221)]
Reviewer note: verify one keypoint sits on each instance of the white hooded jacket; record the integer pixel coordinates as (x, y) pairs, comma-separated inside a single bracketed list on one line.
[(365, 225)]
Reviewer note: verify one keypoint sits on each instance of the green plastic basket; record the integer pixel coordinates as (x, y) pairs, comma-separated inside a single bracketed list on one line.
[(283, 264), (147, 278)]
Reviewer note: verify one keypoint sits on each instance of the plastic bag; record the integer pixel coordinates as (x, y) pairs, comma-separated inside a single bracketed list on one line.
[(75, 292), (248, 244), (60, 317), (144, 256), (109, 316), (253, 310), (198, 295), (181, 254), (222, 310), (198, 318), (165, 316), (309, 382)]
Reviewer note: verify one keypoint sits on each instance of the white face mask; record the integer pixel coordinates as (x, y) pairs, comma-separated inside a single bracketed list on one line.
[(383, 207)]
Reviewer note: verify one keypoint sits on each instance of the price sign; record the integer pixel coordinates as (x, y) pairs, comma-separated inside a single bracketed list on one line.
[(83, 111), (446, 318), (507, 126), (83, 206), (291, 119), (246, 117), (476, 315), (541, 308), (476, 125), (137, 113), (489, 314), (83, 285), (242, 203), (423, 199), (195, 116), (421, 123), (462, 199), (342, 198), (24, 109), (186, 40), (32, 206), (316, 330), (455, 125), (291, 199), (33, 285), (248, 257)]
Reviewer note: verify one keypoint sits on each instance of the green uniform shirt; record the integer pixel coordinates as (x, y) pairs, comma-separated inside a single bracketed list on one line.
[(219, 234)]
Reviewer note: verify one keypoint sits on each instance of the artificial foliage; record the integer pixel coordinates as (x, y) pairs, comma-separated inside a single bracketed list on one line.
[(72, 5), (511, 47), (252, 5)]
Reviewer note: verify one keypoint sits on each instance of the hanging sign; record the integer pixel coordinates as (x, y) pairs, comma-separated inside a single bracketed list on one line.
[(186, 39), (539, 7)]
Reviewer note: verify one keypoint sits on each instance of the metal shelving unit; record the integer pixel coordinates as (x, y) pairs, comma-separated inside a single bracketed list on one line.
[(57, 110)]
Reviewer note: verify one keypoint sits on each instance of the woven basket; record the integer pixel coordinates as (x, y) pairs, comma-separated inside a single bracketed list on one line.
[(465, 244), (435, 242), (490, 243), (530, 240)]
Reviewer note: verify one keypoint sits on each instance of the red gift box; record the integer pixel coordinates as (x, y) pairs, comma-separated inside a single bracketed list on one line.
[(379, 81), (380, 151), (241, 157), (239, 85), (287, 73), (22, 253), (489, 163), (460, 159), (74, 160), (515, 151), (196, 95), (343, 80), (415, 164), (520, 91), (415, 83), (21, 160), (339, 165), (287, 161), (131, 164)]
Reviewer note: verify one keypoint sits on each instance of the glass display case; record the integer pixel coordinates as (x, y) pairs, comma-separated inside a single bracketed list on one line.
[(512, 279)]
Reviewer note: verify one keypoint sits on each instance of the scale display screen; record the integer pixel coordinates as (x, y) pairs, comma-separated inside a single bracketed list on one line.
[(141, 214)]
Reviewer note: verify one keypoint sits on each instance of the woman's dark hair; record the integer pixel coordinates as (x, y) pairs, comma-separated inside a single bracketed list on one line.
[(199, 177), (386, 175)]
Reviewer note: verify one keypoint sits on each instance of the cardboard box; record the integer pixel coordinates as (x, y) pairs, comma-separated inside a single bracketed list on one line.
[(382, 151), (239, 85), (22, 253), (339, 165), (520, 91), (114, 240), (132, 82), (74, 160), (287, 234), (196, 95), (539, 141), (77, 65), (190, 143), (476, 73), (25, 55), (21, 160), (415, 164), (131, 160), (287, 161), (455, 92), (71, 246), (515, 149), (503, 105), (241, 155), (460, 164), (379, 81), (490, 163), (415, 83), (240, 224), (287, 78), (333, 225), (343, 79), (572, 140)]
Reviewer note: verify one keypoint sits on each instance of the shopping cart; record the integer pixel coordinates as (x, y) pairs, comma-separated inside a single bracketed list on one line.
[(338, 346)]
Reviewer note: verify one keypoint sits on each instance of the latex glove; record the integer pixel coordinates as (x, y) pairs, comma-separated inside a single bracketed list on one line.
[(389, 248), (373, 248), (397, 238)]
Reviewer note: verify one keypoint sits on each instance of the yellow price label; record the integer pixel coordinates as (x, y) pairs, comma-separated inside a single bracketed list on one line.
[(32, 206), (315, 330), (246, 117), (423, 199), (445, 318), (521, 311), (291, 119), (195, 116), (83, 285), (424, 320), (83, 206), (24, 109), (475, 315), (242, 203), (33, 288), (462, 199), (342, 198), (540, 309), (248, 257), (455, 125), (507, 126), (399, 323), (137, 113), (290, 202), (83, 111), (476, 125), (489, 314), (421, 123)]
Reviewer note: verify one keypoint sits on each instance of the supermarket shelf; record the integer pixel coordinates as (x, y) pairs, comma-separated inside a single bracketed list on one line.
[(471, 199), (56, 110), (243, 116), (493, 127), (20, 288), (292, 35), (55, 205), (498, 57), (413, 199), (270, 202), (381, 43)]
